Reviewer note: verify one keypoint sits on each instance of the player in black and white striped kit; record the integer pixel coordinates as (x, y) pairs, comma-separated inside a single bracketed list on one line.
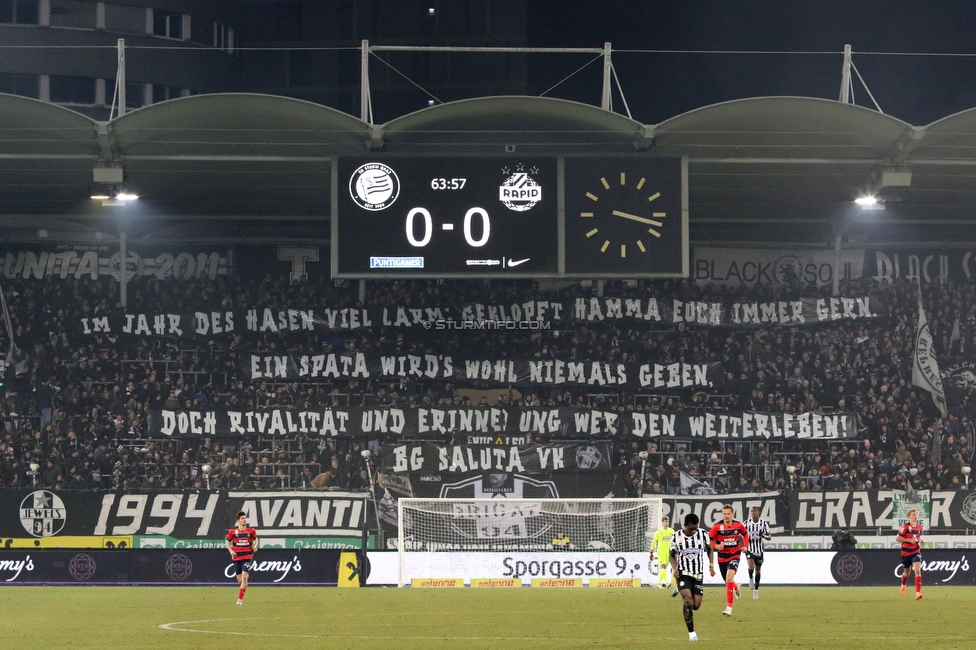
[(758, 531), (688, 549)]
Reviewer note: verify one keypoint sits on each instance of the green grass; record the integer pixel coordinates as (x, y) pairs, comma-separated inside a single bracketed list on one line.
[(283, 618)]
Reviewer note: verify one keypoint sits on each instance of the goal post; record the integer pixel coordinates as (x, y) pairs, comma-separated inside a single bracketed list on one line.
[(525, 539)]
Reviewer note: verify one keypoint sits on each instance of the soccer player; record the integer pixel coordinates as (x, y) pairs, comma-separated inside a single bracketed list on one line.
[(729, 537), (758, 531), (910, 536), (688, 548), (662, 547), (242, 541), (560, 542)]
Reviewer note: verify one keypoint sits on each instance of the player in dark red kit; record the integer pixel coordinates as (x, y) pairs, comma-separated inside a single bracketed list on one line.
[(242, 541), (729, 538), (910, 536)]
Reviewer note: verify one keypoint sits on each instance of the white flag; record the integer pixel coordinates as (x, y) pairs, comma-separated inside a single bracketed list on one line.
[(691, 485), (925, 370), (955, 336)]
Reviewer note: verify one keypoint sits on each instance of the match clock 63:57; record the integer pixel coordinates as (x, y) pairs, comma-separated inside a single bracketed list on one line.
[(452, 216), (626, 216)]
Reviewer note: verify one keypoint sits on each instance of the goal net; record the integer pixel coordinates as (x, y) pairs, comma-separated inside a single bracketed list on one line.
[(526, 538)]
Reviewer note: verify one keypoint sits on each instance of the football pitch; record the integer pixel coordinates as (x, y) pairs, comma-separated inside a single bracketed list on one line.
[(293, 618)]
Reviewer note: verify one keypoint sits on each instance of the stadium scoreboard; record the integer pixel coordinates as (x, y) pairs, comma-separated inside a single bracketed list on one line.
[(508, 216)]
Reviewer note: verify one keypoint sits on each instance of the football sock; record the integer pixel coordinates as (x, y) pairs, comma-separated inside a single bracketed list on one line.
[(918, 584), (689, 615), (750, 575), (240, 594), (904, 578), (729, 592), (758, 574)]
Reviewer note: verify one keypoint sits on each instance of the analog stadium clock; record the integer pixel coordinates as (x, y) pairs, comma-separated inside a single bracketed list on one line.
[(625, 217)]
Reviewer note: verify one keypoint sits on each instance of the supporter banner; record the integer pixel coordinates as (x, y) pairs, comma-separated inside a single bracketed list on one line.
[(163, 567), (504, 372), (709, 508), (760, 266), (182, 515), (431, 458), (829, 511), (939, 566), (514, 421), (532, 315), (939, 265), (76, 262), (480, 484)]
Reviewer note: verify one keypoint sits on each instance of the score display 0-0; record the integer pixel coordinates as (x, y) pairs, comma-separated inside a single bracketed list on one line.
[(474, 217)]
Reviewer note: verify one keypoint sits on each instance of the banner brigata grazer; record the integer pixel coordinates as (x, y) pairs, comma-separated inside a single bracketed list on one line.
[(828, 511), (438, 422)]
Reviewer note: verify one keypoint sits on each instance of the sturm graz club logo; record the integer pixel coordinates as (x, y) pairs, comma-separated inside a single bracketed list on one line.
[(42, 513), (588, 458), (519, 191), (374, 186)]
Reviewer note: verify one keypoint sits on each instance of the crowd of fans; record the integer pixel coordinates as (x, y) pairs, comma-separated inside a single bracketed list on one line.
[(75, 406)]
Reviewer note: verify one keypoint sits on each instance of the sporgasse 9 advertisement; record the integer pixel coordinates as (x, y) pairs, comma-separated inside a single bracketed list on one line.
[(778, 568), (940, 567)]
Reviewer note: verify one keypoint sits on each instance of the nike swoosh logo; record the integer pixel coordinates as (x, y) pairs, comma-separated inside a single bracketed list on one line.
[(517, 262)]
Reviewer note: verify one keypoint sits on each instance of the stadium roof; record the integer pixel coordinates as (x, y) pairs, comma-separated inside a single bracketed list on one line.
[(238, 167)]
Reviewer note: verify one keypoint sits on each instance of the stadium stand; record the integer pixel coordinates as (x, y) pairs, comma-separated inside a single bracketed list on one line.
[(77, 406)]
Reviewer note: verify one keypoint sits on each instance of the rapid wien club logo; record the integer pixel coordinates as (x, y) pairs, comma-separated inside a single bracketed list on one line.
[(519, 191)]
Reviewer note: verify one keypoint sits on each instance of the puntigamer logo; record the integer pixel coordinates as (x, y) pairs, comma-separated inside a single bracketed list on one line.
[(42, 513), (374, 186)]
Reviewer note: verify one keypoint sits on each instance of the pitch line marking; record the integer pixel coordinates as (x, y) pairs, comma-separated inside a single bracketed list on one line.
[(170, 627)]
